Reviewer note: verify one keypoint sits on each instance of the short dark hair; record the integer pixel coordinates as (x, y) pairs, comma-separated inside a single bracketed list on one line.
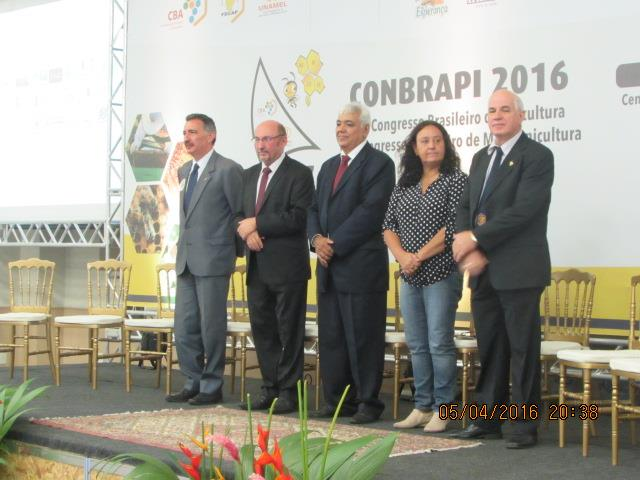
[(209, 124), (410, 163)]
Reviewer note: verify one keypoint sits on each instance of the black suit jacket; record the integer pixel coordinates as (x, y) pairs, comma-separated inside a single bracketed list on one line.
[(514, 238), (352, 217), (282, 222)]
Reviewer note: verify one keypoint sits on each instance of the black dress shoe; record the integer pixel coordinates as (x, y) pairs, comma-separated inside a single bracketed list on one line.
[(206, 399), (328, 412), (284, 405), (476, 431), (182, 396), (261, 403), (525, 440), (360, 418)]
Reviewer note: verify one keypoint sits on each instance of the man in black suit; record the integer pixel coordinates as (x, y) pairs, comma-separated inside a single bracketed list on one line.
[(502, 243), (276, 194), (345, 231)]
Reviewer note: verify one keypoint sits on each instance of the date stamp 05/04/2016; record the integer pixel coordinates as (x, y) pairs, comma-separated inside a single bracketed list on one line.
[(510, 412)]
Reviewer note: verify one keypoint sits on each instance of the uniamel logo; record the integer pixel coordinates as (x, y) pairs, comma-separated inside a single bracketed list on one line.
[(232, 9), (272, 7), (430, 8), (192, 11)]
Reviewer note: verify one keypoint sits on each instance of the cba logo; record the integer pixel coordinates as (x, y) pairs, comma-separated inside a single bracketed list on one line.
[(195, 10), (430, 8)]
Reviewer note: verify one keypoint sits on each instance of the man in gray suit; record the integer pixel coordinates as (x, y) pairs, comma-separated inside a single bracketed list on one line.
[(210, 197)]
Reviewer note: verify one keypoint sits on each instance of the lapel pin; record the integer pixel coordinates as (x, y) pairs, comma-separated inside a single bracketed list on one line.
[(511, 163)]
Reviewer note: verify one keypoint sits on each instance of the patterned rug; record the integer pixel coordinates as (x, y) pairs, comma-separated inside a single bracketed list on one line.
[(165, 428)]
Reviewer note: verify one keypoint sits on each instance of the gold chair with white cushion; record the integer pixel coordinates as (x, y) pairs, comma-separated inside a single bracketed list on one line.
[(629, 369), (311, 338), (107, 290), (587, 361), (396, 341), (568, 303), (467, 346), (161, 326), (30, 293)]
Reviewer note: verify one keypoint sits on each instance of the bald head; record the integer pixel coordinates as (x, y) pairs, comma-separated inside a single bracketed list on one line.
[(270, 140), (505, 115)]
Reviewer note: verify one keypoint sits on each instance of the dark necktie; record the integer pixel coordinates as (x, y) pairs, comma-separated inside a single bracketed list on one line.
[(263, 186), (344, 163), (488, 185), (191, 186)]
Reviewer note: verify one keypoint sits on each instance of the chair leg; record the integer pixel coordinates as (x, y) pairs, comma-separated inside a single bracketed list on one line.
[(561, 424), (243, 365), (159, 360), (465, 385), (586, 398), (396, 380), (318, 379), (57, 357), (632, 402), (25, 347), (127, 360), (50, 349), (614, 419), (233, 364), (90, 336), (12, 354), (94, 360), (169, 363)]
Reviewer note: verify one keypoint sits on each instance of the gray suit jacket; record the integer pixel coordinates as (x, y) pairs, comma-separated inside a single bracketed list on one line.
[(208, 244)]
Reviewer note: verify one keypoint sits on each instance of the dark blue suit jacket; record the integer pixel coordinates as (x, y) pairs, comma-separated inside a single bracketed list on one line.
[(352, 217)]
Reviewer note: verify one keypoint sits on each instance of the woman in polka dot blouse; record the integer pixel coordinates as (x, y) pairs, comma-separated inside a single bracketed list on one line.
[(418, 229)]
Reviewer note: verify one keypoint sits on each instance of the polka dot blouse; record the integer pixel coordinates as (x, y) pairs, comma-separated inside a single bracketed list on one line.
[(416, 217)]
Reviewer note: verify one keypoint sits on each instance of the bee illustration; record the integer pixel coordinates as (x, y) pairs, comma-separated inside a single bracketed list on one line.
[(290, 90)]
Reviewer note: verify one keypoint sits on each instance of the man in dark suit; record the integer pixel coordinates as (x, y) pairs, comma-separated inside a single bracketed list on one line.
[(502, 243), (273, 223), (210, 197), (345, 231)]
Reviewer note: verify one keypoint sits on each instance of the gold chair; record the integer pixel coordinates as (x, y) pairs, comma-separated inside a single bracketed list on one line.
[(162, 326), (312, 338), (107, 290), (396, 341), (239, 328), (630, 370), (567, 304), (586, 361), (30, 293), (467, 346)]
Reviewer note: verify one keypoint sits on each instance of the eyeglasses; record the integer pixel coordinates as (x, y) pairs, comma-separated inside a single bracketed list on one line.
[(265, 139)]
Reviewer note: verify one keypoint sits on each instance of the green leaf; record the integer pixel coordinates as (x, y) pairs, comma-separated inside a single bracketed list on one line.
[(367, 463), (338, 454), (149, 468)]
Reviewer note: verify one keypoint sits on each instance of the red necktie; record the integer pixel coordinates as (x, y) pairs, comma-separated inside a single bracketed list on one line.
[(263, 186), (344, 163)]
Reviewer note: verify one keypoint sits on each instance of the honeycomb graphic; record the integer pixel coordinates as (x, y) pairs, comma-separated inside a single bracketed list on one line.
[(309, 68)]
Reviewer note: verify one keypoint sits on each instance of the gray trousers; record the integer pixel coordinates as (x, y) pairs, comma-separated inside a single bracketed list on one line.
[(201, 330)]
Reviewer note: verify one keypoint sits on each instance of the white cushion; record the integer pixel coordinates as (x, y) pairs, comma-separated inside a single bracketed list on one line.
[(395, 337), (626, 364), (149, 323), (22, 317), (238, 327), (89, 319), (596, 356), (311, 330), (552, 347), (465, 342)]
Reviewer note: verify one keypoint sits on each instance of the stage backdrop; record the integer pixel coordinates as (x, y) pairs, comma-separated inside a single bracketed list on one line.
[(575, 64)]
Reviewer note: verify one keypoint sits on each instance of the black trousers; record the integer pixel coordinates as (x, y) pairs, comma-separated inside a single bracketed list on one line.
[(277, 315), (508, 331), (351, 329)]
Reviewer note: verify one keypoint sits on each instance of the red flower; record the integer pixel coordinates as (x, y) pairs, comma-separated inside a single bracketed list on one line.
[(263, 438), (191, 469), (276, 458)]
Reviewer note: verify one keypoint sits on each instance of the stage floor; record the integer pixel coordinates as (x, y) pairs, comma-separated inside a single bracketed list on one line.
[(489, 460)]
